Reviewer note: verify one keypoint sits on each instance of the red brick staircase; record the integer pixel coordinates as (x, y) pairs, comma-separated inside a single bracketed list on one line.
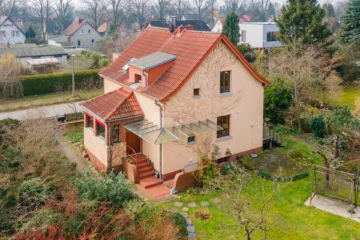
[(147, 180)]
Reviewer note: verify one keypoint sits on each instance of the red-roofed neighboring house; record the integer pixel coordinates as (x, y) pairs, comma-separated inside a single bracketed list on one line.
[(79, 33), (245, 18), (104, 28), (167, 95)]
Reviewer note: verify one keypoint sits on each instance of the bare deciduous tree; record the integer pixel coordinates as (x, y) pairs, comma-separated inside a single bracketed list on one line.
[(7, 7), (180, 7), (201, 7), (212, 5), (42, 10), (247, 199), (63, 11), (310, 73), (10, 82), (116, 13), (94, 12), (160, 8), (232, 5), (141, 11)]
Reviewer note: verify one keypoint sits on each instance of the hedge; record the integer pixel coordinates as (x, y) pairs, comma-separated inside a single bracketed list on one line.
[(51, 83), (283, 179)]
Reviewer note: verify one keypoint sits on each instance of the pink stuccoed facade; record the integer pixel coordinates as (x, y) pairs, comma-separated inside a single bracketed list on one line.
[(243, 104)]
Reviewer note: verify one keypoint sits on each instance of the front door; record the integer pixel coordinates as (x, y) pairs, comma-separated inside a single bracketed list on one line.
[(133, 142)]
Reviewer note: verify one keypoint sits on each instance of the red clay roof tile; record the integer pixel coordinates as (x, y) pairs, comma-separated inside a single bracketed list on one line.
[(74, 26), (190, 48), (114, 105)]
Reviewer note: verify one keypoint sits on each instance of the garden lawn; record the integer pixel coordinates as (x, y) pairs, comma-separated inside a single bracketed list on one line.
[(349, 96), (290, 218), (75, 133), (50, 99)]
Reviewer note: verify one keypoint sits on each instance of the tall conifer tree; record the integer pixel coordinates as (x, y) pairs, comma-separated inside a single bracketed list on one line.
[(350, 22), (301, 21), (231, 28)]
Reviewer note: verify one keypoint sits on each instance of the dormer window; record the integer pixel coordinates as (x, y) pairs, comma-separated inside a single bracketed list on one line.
[(138, 78)]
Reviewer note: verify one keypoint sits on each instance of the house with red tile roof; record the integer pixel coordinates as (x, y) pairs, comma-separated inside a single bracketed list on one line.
[(170, 97), (79, 33)]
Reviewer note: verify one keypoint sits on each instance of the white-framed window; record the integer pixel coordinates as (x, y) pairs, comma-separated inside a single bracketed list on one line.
[(92, 41), (89, 31), (81, 31), (243, 36), (2, 33)]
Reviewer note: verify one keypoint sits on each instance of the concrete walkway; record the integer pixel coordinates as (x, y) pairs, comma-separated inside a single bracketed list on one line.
[(334, 206), (45, 111)]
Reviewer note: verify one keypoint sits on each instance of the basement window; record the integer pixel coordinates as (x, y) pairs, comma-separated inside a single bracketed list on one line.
[(196, 92), (191, 140)]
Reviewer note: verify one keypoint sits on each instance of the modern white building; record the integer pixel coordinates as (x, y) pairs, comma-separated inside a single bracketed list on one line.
[(10, 31), (259, 34), (256, 34)]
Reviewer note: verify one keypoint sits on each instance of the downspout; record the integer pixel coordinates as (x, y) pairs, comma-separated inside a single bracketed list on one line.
[(160, 158), (109, 158)]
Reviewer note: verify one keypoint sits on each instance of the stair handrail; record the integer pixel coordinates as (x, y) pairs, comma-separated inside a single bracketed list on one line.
[(132, 155)]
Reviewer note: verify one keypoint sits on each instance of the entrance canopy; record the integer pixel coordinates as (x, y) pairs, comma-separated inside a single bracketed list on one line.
[(152, 134)]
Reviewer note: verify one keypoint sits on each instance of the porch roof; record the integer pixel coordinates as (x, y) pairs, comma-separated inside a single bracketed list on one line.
[(114, 105), (152, 134)]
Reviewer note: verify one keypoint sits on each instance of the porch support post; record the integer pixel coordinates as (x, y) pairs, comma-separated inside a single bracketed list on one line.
[(109, 159)]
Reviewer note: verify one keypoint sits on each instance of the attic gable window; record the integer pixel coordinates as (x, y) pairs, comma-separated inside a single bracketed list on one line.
[(225, 82), (138, 78)]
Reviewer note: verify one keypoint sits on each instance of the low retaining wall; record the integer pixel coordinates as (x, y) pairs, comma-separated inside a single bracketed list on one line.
[(130, 171)]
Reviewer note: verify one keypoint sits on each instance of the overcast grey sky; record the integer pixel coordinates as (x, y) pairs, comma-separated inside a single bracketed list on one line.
[(78, 4)]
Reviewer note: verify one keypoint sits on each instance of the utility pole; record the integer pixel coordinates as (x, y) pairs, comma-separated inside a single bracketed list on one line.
[(73, 76)]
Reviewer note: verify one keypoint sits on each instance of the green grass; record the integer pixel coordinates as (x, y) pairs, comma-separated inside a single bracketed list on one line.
[(290, 218), (349, 96), (50, 99), (75, 133)]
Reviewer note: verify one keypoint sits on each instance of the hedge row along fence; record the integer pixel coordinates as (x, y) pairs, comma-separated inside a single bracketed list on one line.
[(57, 82)]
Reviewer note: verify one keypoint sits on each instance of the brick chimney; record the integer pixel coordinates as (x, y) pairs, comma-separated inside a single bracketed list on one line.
[(180, 29), (172, 24)]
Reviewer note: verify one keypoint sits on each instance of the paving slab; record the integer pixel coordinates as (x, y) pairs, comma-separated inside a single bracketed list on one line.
[(188, 220), (204, 204), (185, 209), (215, 200), (334, 206), (184, 214), (173, 210), (192, 205), (190, 228), (178, 204)]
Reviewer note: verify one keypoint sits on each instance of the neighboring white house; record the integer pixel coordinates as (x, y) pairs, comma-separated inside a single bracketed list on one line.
[(218, 25), (259, 34), (256, 34), (10, 31)]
